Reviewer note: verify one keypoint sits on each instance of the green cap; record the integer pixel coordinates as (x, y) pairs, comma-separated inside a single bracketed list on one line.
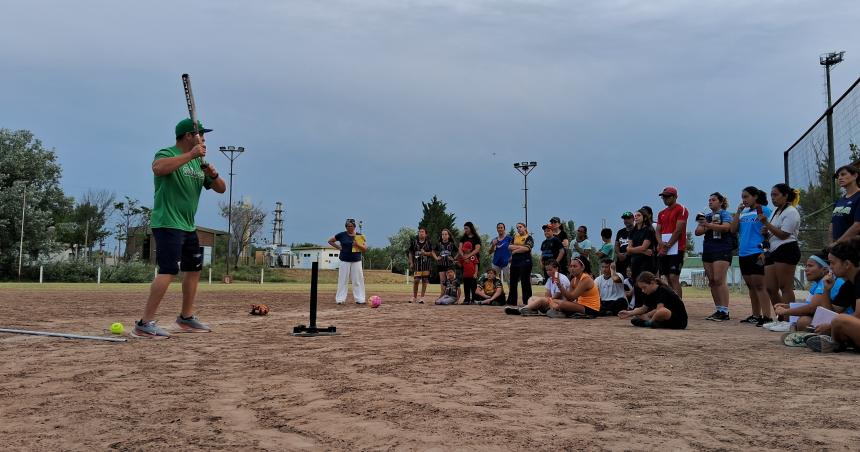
[(186, 126)]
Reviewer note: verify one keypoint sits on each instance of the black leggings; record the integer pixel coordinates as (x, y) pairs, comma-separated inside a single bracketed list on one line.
[(469, 286), (520, 275)]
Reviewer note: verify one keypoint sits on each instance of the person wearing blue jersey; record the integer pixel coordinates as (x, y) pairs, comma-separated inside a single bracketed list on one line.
[(717, 247), (751, 255), (816, 270)]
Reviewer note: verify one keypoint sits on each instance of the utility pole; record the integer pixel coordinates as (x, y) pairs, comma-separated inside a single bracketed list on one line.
[(21, 243), (827, 60), (525, 168), (232, 153)]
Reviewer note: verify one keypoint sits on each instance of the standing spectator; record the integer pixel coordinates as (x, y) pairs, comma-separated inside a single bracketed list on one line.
[(470, 259), (521, 264), (607, 250), (420, 252), (561, 234), (642, 245), (501, 253), (445, 254), (751, 256), (469, 263), (581, 246), (783, 250), (622, 262), (490, 290), (551, 249), (719, 242), (672, 238), (845, 223), (351, 244), (610, 283)]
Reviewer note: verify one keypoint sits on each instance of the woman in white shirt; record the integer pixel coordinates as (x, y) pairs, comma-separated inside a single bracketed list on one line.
[(783, 252)]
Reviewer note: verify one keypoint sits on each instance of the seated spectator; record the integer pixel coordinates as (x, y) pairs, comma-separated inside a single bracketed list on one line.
[(556, 283), (451, 292), (490, 290), (582, 298), (844, 260), (629, 293), (611, 285), (661, 306), (817, 271)]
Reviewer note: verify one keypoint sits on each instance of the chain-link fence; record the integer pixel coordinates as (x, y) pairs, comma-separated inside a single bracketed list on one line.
[(809, 166)]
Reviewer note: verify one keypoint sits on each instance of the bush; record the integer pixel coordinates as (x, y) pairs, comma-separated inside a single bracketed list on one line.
[(129, 272)]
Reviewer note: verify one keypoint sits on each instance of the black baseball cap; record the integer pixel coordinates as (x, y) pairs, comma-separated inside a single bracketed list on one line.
[(545, 227), (627, 214), (555, 220)]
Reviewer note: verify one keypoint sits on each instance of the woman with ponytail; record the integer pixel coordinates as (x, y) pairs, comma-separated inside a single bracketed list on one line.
[(783, 252), (750, 251), (717, 249), (661, 306)]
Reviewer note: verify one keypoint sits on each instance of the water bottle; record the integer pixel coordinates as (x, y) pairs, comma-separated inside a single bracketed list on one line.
[(716, 219)]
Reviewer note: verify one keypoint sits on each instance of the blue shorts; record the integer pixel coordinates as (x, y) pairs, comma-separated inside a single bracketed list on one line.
[(177, 250)]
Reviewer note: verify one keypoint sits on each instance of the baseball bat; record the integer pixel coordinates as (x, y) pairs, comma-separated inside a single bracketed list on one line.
[(192, 111)]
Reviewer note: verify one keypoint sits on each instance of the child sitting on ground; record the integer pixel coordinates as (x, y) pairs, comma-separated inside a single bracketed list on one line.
[(451, 293), (661, 307), (490, 290)]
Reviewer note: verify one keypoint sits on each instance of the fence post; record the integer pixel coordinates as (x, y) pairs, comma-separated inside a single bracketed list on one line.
[(99, 276), (41, 273), (261, 276), (155, 273), (210, 276)]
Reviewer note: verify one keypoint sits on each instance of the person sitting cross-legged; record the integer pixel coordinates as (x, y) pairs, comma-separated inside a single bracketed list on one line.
[(556, 282), (661, 306), (582, 298), (490, 290), (611, 285), (451, 288), (824, 290)]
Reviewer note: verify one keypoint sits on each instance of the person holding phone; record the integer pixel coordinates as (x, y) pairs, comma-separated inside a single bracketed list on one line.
[(556, 285), (751, 254), (784, 251), (717, 252)]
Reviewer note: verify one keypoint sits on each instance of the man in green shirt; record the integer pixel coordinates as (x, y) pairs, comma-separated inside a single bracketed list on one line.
[(179, 179)]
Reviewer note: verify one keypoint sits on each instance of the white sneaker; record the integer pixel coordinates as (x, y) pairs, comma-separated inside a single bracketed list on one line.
[(780, 327), (360, 302), (769, 324), (339, 302)]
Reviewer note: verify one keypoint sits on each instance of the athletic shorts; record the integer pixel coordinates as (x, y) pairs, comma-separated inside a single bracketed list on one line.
[(750, 265), (177, 250), (710, 257), (671, 265), (787, 253), (613, 307)]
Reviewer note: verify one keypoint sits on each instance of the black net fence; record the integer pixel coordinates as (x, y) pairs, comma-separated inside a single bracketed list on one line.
[(809, 167)]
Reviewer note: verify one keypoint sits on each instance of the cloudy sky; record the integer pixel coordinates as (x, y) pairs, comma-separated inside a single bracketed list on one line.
[(366, 108)]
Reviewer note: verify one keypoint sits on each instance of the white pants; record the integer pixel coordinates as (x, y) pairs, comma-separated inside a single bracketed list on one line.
[(346, 272)]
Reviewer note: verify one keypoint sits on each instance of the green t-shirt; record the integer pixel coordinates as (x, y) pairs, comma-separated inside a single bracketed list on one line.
[(608, 250), (178, 193)]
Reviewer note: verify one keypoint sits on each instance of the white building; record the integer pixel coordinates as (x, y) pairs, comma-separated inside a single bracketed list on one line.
[(327, 256)]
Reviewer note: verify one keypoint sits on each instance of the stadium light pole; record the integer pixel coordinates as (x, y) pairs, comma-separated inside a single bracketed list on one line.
[(525, 168), (828, 60), (232, 153)]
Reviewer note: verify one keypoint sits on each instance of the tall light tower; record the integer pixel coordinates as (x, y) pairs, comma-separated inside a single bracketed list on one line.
[(525, 168), (827, 60), (232, 153)]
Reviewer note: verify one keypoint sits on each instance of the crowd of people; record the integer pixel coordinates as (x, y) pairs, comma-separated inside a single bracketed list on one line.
[(639, 270)]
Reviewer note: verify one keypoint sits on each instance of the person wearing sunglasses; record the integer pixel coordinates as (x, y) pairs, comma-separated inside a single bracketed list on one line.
[(351, 244)]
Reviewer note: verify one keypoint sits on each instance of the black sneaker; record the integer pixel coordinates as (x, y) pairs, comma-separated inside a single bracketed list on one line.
[(721, 316), (751, 319), (762, 320), (636, 321), (713, 317)]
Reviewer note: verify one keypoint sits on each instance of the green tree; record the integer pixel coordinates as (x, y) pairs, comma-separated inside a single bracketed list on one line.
[(376, 258), (134, 221), (435, 218), (247, 221), (28, 170), (398, 247), (85, 224)]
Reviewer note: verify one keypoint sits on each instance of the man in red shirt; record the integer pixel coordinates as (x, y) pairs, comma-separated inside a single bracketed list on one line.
[(672, 237)]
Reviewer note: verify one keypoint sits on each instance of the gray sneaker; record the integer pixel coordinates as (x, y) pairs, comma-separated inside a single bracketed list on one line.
[(528, 312), (192, 325), (149, 330), (553, 314), (823, 344)]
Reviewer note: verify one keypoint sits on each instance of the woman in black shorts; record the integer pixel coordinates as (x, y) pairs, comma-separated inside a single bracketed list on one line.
[(751, 256), (445, 254), (784, 252), (719, 242), (661, 306)]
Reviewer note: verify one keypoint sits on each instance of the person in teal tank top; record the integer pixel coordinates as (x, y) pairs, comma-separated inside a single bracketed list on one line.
[(179, 177)]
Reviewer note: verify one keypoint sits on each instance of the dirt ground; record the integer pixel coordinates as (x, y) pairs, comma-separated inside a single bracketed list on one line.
[(407, 377)]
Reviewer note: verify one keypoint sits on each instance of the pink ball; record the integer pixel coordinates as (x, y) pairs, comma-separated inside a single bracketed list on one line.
[(375, 301)]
